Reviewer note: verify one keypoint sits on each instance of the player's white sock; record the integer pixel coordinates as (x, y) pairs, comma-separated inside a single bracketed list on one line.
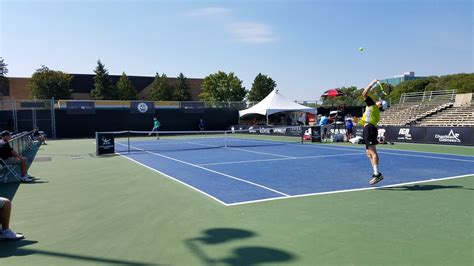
[(376, 169)]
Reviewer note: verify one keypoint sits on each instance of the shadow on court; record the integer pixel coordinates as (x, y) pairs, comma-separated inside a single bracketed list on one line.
[(422, 188), (17, 248), (247, 255), (8, 190)]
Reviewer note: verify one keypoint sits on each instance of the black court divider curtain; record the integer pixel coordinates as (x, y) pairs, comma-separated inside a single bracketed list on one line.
[(85, 125)]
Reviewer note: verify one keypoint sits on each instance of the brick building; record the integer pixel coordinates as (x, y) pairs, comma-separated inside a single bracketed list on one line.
[(83, 84)]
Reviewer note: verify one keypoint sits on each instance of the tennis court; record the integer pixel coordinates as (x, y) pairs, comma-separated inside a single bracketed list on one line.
[(237, 169), (109, 210)]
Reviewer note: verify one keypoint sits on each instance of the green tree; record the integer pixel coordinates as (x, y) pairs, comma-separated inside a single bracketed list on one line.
[(182, 89), (462, 83), (4, 83), (46, 84), (417, 85), (161, 89), (3, 68), (261, 87), (103, 88), (125, 89), (223, 87)]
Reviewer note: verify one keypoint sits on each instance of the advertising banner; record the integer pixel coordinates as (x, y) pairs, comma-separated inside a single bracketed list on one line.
[(405, 134), (450, 135), (80, 107), (193, 107)]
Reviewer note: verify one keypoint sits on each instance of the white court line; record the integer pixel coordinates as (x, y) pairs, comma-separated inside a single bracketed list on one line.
[(286, 196), (172, 178), (320, 146), (282, 159), (379, 147), (237, 149), (350, 190), (424, 156), (210, 170)]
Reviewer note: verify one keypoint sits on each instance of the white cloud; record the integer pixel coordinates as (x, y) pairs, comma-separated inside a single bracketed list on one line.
[(251, 32), (210, 12)]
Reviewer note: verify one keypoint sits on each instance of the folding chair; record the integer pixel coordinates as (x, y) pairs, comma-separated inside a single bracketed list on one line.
[(8, 169)]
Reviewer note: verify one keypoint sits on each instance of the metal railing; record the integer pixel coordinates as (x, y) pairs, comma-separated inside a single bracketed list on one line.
[(21, 142), (427, 96)]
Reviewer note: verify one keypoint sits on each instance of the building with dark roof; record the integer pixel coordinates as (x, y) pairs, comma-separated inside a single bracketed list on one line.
[(83, 84)]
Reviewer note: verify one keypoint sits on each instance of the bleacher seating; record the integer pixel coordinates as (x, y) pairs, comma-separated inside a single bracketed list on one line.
[(462, 116), (406, 114), (435, 109)]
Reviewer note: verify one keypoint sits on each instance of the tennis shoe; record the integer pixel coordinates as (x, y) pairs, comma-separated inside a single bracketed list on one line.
[(8, 234), (375, 179), (26, 179)]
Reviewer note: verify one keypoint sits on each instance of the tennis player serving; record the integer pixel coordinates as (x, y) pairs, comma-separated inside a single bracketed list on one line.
[(156, 126), (369, 121)]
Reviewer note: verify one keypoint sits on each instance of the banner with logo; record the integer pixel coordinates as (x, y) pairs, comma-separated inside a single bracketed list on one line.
[(312, 133), (80, 107), (142, 107), (450, 135), (295, 131), (105, 144), (193, 107), (405, 134)]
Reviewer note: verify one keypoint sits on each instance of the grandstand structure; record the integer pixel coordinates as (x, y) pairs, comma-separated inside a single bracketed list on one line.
[(431, 108)]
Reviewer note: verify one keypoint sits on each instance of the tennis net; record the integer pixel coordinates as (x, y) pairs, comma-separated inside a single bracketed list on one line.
[(171, 141)]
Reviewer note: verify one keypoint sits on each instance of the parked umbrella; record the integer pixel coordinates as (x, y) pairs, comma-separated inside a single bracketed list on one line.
[(332, 93)]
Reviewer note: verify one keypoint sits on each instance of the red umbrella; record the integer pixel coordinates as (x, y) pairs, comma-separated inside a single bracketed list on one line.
[(332, 93)]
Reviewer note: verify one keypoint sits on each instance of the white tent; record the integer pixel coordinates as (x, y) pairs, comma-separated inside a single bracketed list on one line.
[(275, 103)]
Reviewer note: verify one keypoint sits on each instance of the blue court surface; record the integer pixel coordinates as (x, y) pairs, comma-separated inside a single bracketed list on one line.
[(243, 170)]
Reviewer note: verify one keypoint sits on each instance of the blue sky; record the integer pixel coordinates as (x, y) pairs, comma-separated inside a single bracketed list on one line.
[(307, 47)]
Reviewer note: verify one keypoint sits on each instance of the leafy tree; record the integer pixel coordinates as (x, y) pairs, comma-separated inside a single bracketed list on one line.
[(182, 89), (103, 88), (223, 87), (161, 89), (125, 89), (46, 84), (261, 87), (4, 84), (462, 83), (3, 68)]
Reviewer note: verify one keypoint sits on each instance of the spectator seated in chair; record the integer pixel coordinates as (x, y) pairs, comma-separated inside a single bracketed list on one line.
[(9, 156), (39, 136)]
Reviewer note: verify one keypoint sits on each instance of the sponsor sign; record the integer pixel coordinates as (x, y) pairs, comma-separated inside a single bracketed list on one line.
[(312, 133), (80, 107), (262, 130), (105, 144), (405, 134), (450, 135), (142, 107), (193, 107)]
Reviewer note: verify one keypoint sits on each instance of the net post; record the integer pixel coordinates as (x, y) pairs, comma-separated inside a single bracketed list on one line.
[(225, 139), (302, 134), (128, 141)]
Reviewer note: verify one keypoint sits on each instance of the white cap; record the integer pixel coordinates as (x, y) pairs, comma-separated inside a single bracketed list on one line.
[(384, 105)]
